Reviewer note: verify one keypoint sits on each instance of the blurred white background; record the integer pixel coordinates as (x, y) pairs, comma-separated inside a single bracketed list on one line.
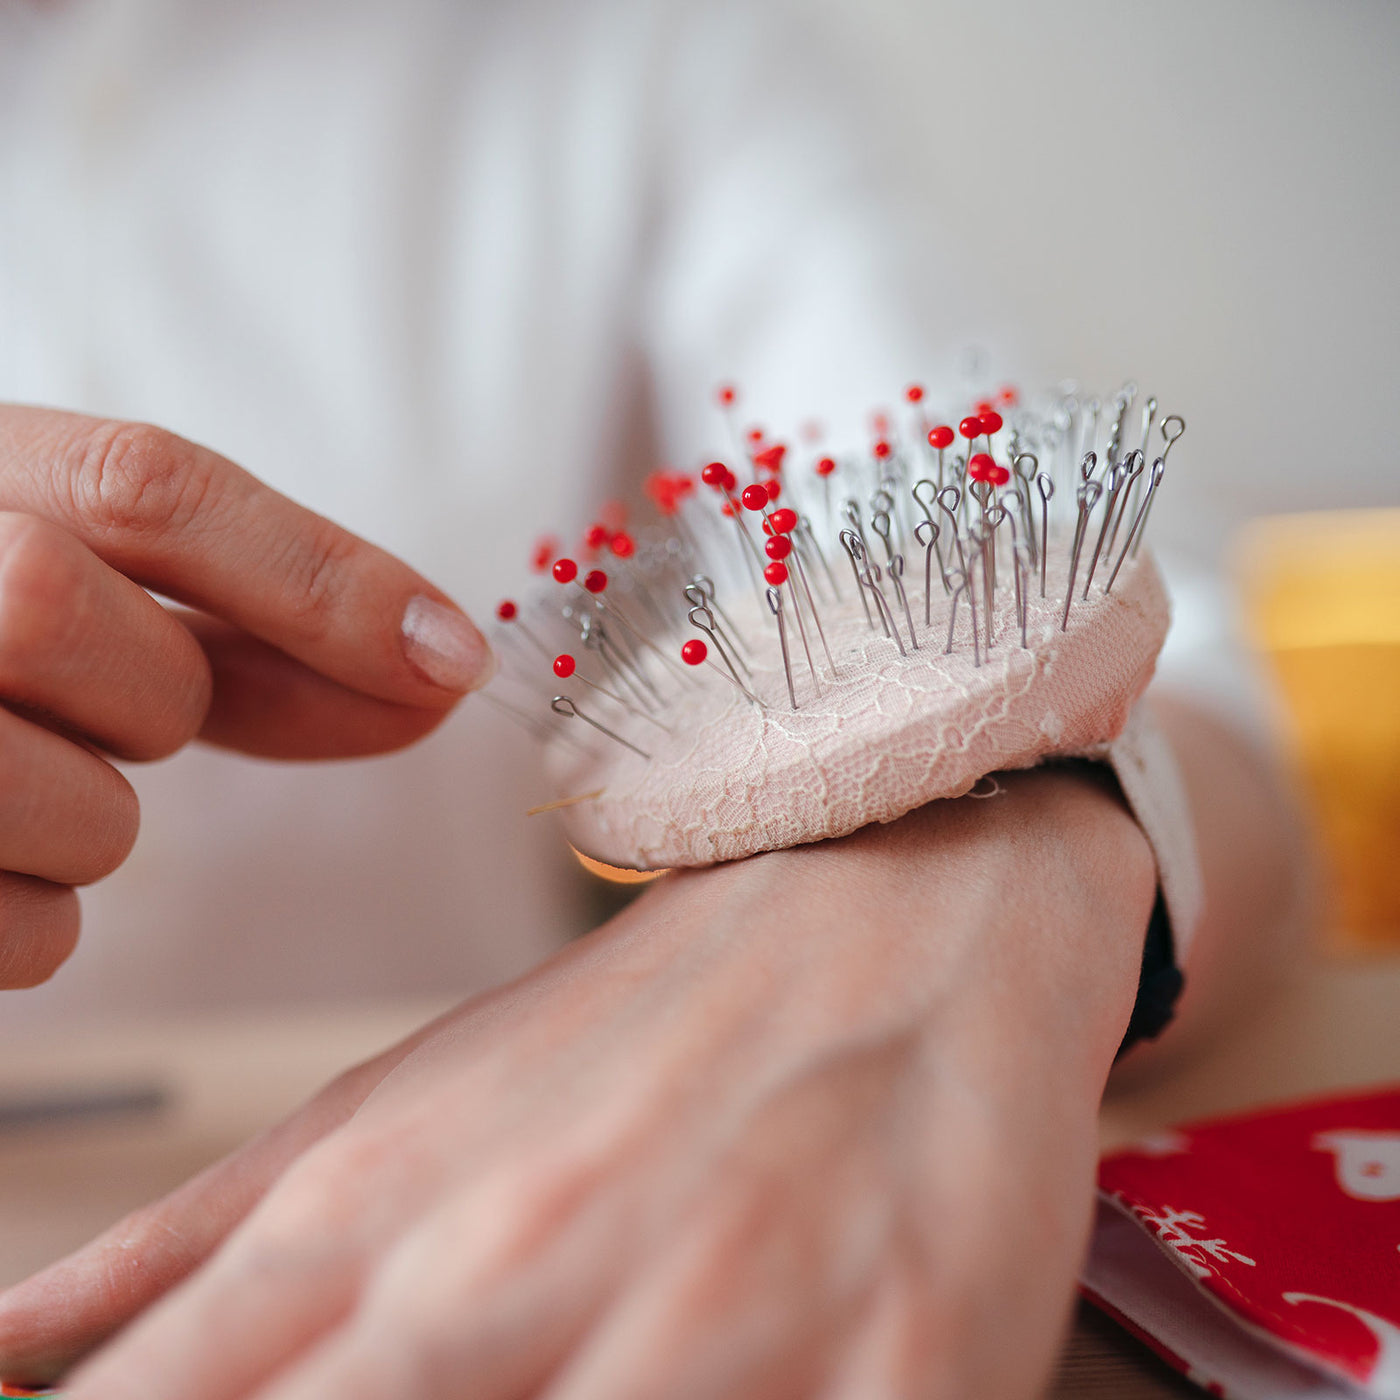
[(1203, 194)]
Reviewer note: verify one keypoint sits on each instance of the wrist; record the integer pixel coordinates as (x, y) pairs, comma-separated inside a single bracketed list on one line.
[(1016, 919)]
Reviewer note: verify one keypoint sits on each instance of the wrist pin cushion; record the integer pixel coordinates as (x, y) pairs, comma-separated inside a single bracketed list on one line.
[(793, 649)]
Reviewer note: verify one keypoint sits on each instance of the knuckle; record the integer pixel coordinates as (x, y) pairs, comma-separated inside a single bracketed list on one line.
[(312, 571), (332, 1193), (133, 477)]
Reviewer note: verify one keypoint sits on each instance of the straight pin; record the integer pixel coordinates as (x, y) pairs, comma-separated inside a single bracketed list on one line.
[(564, 705)]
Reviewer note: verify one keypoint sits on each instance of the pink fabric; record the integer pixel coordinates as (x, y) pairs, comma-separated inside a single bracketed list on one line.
[(893, 733)]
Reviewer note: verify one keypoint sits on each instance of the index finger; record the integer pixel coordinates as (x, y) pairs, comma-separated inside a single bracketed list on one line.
[(186, 522)]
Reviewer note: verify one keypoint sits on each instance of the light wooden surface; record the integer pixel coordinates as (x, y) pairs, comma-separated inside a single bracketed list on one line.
[(1337, 1025)]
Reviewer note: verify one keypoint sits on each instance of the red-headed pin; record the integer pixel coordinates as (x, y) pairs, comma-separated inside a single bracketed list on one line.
[(509, 612)]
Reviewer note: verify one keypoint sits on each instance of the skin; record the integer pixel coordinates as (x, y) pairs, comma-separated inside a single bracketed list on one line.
[(294, 646), (816, 1124)]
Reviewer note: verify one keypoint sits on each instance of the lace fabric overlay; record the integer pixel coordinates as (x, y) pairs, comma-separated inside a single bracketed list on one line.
[(727, 779)]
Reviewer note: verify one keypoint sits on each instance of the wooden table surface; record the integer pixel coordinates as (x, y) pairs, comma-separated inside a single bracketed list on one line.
[(1335, 1025)]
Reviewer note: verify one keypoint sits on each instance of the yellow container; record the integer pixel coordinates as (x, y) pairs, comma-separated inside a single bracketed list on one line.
[(1321, 596)]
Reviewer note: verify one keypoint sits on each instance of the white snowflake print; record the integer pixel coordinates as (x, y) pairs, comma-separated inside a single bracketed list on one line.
[(1183, 1231)]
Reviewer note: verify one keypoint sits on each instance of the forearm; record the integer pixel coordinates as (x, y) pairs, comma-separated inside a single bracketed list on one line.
[(1019, 917)]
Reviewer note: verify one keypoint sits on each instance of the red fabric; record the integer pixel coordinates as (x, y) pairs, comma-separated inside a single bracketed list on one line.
[(1290, 1218)]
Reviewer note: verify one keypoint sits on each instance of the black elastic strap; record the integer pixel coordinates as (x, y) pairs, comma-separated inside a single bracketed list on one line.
[(1159, 982)]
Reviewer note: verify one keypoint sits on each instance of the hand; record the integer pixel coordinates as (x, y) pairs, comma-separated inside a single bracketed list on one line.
[(819, 1123), (308, 643)]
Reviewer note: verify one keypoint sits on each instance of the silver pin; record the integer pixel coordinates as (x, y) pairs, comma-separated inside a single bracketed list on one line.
[(1123, 399), (897, 577), (1117, 478), (880, 524), (796, 556), (948, 499), (964, 586), (1021, 567), (1045, 485), (1023, 491), (1149, 415), (929, 544), (521, 716), (802, 628), (1134, 463), (703, 620), (850, 513), (698, 598), (608, 606), (1171, 439), (1087, 497), (706, 585), (775, 606), (1159, 468), (855, 552), (872, 575), (594, 637), (928, 507), (575, 675), (564, 705), (804, 524)]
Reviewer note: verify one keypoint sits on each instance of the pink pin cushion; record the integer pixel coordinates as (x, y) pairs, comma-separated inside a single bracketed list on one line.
[(726, 778)]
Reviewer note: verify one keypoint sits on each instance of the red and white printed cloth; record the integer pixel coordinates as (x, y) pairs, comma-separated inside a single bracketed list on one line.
[(1260, 1255)]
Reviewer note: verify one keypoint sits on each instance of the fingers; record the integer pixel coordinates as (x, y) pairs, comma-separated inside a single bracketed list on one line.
[(482, 1301), (52, 1320), (65, 815), (82, 643), (190, 524), (269, 704), (38, 929)]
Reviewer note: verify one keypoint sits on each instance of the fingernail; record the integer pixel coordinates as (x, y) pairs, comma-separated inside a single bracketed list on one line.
[(442, 645)]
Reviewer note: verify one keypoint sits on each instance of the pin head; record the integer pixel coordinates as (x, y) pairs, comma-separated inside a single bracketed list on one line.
[(771, 458), (776, 573), (694, 652), (784, 521), (714, 474), (881, 450), (777, 547), (727, 395), (506, 610), (565, 571), (755, 498), (564, 666), (622, 545), (596, 536), (940, 437), (774, 487), (825, 466), (992, 421), (970, 427), (914, 393), (595, 581), (545, 549)]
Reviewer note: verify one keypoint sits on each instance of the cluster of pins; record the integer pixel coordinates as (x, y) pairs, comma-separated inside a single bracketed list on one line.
[(976, 508)]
